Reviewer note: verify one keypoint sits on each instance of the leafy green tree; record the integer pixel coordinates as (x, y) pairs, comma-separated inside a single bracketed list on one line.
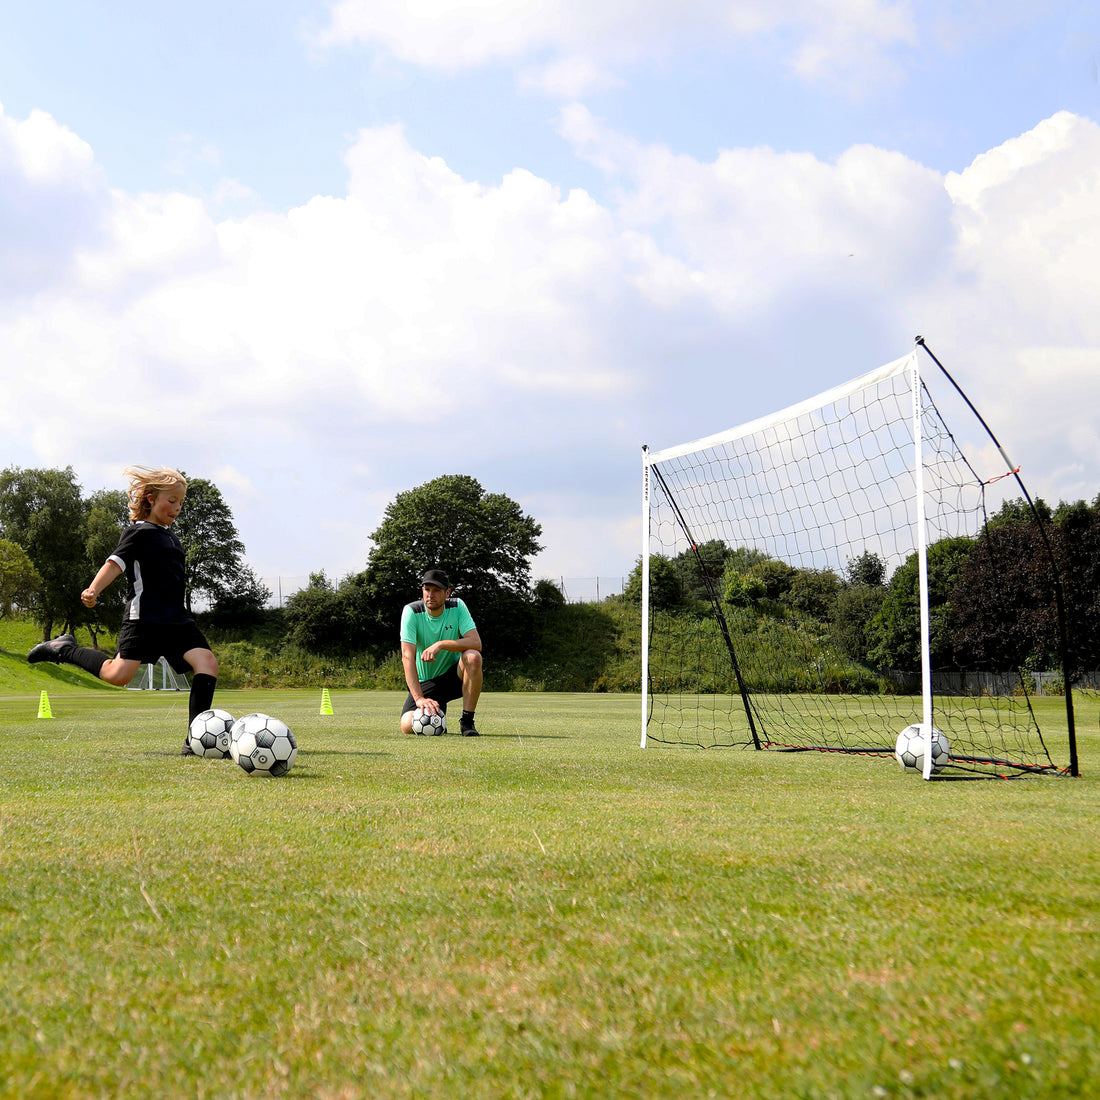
[(1077, 545), (106, 516), (333, 618), (1019, 511), (702, 569), (858, 600), (666, 590), (243, 603), (1006, 611), (482, 541), (41, 511), (744, 558), (750, 579), (813, 592), (776, 576), (20, 583), (895, 630), (548, 595), (313, 616), (855, 611), (867, 569), (742, 587), (479, 539), (210, 541), (214, 552)]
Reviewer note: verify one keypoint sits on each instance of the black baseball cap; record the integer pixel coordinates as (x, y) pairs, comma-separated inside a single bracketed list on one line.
[(436, 577)]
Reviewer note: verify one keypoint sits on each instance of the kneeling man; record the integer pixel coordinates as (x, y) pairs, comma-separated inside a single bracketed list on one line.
[(441, 653)]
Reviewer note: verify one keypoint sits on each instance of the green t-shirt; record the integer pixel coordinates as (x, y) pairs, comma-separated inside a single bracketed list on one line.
[(422, 629)]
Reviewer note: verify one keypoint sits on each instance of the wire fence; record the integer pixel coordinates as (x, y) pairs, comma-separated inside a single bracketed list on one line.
[(283, 587), (589, 589), (574, 589)]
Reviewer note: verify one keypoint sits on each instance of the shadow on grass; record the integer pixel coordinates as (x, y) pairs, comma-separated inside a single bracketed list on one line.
[(529, 736), (340, 752), (61, 674)]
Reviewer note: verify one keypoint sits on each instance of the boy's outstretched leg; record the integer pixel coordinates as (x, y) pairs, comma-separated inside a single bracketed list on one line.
[(64, 651)]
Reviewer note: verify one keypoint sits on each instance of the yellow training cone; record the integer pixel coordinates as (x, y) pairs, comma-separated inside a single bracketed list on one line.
[(44, 706), (326, 701)]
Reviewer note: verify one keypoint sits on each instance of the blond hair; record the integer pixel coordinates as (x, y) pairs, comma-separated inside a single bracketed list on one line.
[(150, 479)]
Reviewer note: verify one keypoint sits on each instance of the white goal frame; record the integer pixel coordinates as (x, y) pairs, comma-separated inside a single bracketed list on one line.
[(908, 366), (170, 679)]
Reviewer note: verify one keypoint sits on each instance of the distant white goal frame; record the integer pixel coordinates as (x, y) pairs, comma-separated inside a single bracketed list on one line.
[(170, 679), (907, 366)]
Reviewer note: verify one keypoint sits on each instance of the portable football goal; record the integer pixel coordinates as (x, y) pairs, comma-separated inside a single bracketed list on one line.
[(158, 677), (827, 577)]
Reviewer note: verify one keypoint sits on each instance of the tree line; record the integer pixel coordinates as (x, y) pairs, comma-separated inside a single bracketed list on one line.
[(483, 541), (992, 598), (53, 539)]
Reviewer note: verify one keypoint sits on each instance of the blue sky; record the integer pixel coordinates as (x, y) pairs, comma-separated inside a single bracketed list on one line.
[(325, 252), (155, 89)]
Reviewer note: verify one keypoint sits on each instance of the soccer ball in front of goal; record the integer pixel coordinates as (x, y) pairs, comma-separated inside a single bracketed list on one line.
[(428, 725), (909, 750), (208, 734), (262, 745)]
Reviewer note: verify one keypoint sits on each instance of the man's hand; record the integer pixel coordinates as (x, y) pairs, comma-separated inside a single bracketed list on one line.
[(429, 653), (429, 706)]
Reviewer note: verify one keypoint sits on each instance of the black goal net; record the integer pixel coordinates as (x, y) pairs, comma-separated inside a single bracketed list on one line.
[(826, 578)]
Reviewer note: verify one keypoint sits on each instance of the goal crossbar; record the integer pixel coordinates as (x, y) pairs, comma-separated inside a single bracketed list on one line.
[(881, 374)]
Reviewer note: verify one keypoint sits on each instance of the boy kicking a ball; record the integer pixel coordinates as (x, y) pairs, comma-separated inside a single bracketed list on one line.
[(155, 622)]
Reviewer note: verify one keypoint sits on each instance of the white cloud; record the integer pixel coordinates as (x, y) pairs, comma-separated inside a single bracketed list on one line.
[(590, 42), (1019, 297), (568, 78), (1027, 235), (755, 224), (324, 322), (46, 154), (228, 191), (317, 360), (50, 191)]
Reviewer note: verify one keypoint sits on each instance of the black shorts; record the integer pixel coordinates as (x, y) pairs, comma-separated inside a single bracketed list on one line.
[(148, 642), (442, 689)]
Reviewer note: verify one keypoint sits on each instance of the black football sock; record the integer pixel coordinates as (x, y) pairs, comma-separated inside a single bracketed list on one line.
[(91, 660), (202, 694), (467, 716)]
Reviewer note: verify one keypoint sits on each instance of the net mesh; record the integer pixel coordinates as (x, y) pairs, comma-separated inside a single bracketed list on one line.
[(779, 559)]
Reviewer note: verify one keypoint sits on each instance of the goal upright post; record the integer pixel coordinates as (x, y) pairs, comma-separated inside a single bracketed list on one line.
[(645, 591)]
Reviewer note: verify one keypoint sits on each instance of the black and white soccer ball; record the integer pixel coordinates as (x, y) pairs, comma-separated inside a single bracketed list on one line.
[(909, 749), (208, 734), (263, 745), (428, 725)]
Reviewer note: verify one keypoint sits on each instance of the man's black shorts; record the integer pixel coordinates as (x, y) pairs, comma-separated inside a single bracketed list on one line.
[(148, 642), (442, 689)]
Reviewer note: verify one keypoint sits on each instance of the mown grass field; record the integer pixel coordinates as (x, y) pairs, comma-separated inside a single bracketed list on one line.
[(546, 911)]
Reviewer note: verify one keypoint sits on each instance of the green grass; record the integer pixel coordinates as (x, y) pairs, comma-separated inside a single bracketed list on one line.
[(17, 637), (545, 911)]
